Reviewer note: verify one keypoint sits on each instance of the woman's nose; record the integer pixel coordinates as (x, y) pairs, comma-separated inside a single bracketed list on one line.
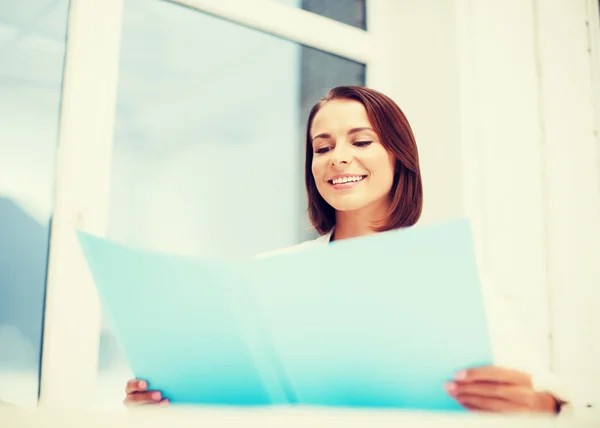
[(340, 155)]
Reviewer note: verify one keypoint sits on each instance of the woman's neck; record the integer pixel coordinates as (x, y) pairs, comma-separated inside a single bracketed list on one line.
[(352, 224)]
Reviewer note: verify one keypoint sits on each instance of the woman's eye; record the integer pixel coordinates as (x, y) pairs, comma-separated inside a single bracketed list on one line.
[(322, 150), (362, 143)]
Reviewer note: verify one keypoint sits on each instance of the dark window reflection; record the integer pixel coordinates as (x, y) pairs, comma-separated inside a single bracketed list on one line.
[(32, 50), (350, 12)]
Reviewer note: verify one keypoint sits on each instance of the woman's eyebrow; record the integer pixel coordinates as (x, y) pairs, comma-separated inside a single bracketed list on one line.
[(350, 132), (357, 130), (324, 135)]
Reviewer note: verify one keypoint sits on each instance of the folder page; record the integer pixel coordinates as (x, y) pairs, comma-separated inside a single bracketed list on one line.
[(179, 324), (380, 321)]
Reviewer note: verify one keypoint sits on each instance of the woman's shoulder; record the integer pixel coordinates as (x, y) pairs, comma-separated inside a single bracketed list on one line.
[(321, 240)]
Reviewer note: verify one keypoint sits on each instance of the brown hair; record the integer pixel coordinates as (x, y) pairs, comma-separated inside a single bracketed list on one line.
[(395, 133)]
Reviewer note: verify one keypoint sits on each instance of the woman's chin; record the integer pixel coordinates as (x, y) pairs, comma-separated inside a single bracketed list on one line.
[(358, 202), (347, 204)]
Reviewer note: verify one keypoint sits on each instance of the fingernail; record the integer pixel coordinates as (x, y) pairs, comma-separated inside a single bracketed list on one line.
[(143, 384), (461, 375), (450, 388), (164, 402), (156, 396)]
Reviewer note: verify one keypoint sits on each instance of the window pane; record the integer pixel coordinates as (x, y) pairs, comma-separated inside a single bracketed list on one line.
[(208, 150), (351, 12), (32, 49)]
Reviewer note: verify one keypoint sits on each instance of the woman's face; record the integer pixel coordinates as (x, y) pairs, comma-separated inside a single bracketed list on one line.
[(351, 168)]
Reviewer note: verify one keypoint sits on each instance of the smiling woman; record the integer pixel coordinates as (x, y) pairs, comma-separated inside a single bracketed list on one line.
[(362, 176)]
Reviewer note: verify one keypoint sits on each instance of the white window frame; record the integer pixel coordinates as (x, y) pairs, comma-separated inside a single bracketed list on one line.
[(72, 312)]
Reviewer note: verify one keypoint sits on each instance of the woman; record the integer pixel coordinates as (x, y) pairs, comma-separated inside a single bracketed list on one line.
[(362, 177)]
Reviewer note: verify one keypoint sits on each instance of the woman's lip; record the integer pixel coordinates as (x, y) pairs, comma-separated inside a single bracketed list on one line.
[(348, 184), (337, 177)]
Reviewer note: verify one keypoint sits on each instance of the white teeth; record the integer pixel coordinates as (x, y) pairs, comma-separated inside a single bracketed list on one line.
[(347, 179)]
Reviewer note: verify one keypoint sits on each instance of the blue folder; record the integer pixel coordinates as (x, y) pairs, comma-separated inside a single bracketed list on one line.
[(380, 321)]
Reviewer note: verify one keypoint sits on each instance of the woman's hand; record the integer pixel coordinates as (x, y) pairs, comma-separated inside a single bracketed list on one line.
[(497, 389), (138, 394)]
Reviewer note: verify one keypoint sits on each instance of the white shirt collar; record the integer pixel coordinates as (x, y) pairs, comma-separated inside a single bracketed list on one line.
[(325, 239)]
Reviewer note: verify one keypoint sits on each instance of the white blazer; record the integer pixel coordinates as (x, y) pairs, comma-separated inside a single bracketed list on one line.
[(510, 346)]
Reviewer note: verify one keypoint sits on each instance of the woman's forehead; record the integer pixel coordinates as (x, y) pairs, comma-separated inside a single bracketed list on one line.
[(338, 115)]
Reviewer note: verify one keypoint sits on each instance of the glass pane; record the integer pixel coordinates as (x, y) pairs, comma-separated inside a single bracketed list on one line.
[(208, 151), (32, 50), (351, 12)]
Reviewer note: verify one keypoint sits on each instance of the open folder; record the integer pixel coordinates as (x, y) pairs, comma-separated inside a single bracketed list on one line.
[(379, 321)]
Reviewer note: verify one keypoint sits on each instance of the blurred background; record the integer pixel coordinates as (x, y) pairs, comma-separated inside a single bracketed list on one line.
[(178, 126)]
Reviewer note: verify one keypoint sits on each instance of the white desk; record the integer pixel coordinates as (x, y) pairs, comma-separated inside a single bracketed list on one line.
[(11, 417)]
